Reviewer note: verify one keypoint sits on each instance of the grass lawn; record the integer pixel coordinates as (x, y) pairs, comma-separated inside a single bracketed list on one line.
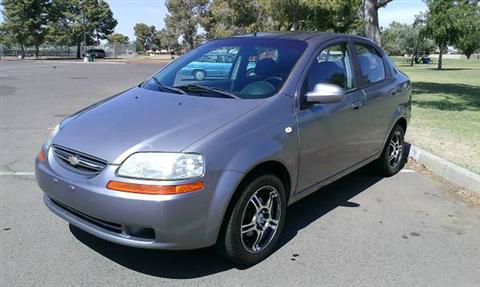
[(446, 110)]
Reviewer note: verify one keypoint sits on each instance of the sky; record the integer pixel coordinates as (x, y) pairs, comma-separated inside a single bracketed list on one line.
[(152, 12)]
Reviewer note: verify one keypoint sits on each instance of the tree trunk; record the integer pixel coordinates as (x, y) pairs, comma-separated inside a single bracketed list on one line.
[(440, 58), (412, 59), (370, 18), (22, 51), (468, 56), (36, 51), (370, 12), (78, 49)]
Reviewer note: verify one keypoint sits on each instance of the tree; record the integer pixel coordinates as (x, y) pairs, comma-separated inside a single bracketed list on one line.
[(77, 21), (400, 39), (230, 17), (370, 16), (469, 42), (339, 16), (144, 36), (166, 39), (445, 23), (184, 18), (25, 22), (117, 38), (391, 38), (225, 18)]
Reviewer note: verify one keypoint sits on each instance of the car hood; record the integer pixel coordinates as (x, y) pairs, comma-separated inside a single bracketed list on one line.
[(144, 120)]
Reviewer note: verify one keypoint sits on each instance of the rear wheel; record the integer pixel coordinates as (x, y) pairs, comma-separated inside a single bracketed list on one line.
[(256, 221), (393, 158)]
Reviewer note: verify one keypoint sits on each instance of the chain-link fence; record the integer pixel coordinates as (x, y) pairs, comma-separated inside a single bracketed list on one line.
[(111, 51)]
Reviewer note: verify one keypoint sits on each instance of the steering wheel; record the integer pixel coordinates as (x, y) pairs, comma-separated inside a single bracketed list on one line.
[(274, 80), (257, 90)]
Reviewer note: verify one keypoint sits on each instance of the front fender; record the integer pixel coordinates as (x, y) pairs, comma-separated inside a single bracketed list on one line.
[(258, 136)]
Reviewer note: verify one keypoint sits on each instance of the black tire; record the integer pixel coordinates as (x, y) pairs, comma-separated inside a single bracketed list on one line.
[(387, 166), (199, 75), (234, 243)]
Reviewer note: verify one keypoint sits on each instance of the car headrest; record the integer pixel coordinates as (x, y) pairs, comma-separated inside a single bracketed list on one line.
[(267, 67)]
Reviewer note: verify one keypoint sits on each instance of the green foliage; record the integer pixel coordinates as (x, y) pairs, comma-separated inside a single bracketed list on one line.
[(230, 17), (24, 22), (400, 39), (71, 18), (117, 38), (227, 17), (469, 41), (391, 38), (144, 35), (332, 15), (184, 18), (166, 39), (447, 21)]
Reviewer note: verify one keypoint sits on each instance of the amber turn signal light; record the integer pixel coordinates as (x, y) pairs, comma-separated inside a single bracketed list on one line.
[(155, 189), (41, 155)]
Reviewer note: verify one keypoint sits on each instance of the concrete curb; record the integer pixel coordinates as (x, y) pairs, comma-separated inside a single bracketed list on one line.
[(448, 170)]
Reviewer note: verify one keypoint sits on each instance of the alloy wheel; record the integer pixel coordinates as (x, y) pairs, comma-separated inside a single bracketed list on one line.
[(395, 148), (260, 219)]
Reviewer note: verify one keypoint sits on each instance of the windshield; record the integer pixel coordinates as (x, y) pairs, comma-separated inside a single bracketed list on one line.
[(240, 68)]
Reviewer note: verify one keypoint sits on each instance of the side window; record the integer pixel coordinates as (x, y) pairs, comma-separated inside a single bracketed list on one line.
[(371, 63), (333, 66)]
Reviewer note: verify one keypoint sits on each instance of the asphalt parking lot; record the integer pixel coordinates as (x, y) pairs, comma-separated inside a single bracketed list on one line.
[(364, 230)]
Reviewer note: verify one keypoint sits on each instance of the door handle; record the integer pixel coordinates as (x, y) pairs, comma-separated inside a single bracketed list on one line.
[(356, 105)]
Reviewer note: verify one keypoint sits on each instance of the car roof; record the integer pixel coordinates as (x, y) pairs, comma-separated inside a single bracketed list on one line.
[(304, 36)]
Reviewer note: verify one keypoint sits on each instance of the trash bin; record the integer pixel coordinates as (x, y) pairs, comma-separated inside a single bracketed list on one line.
[(91, 57)]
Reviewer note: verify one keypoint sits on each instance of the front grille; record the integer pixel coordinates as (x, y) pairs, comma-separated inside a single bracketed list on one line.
[(77, 161)]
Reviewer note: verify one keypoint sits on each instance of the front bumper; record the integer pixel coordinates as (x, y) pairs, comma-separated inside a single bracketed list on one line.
[(184, 221)]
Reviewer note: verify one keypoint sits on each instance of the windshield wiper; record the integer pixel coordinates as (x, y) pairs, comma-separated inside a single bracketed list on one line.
[(167, 88), (199, 88)]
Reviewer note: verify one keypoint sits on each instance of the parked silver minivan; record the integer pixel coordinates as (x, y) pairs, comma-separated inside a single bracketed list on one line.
[(179, 162)]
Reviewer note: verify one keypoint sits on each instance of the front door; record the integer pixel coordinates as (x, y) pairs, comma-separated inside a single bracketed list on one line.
[(329, 133)]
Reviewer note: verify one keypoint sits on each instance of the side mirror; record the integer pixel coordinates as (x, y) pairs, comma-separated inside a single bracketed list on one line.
[(324, 93)]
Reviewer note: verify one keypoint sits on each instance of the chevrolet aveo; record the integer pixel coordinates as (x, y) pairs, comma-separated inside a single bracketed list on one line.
[(182, 163)]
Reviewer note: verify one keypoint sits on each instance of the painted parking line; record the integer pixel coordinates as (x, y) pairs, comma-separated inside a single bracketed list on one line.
[(407, 171), (17, 173)]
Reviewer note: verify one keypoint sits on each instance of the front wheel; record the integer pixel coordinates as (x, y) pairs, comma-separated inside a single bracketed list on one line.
[(256, 221), (199, 75), (393, 157)]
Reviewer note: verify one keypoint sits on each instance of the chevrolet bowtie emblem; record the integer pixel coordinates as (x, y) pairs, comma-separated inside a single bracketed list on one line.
[(73, 160)]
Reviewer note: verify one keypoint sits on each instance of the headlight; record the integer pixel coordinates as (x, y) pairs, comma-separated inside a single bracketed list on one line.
[(49, 140), (162, 166)]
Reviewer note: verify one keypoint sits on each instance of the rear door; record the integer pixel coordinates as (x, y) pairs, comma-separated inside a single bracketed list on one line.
[(379, 87)]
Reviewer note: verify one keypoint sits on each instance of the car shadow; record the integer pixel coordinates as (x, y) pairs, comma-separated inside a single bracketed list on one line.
[(202, 262)]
